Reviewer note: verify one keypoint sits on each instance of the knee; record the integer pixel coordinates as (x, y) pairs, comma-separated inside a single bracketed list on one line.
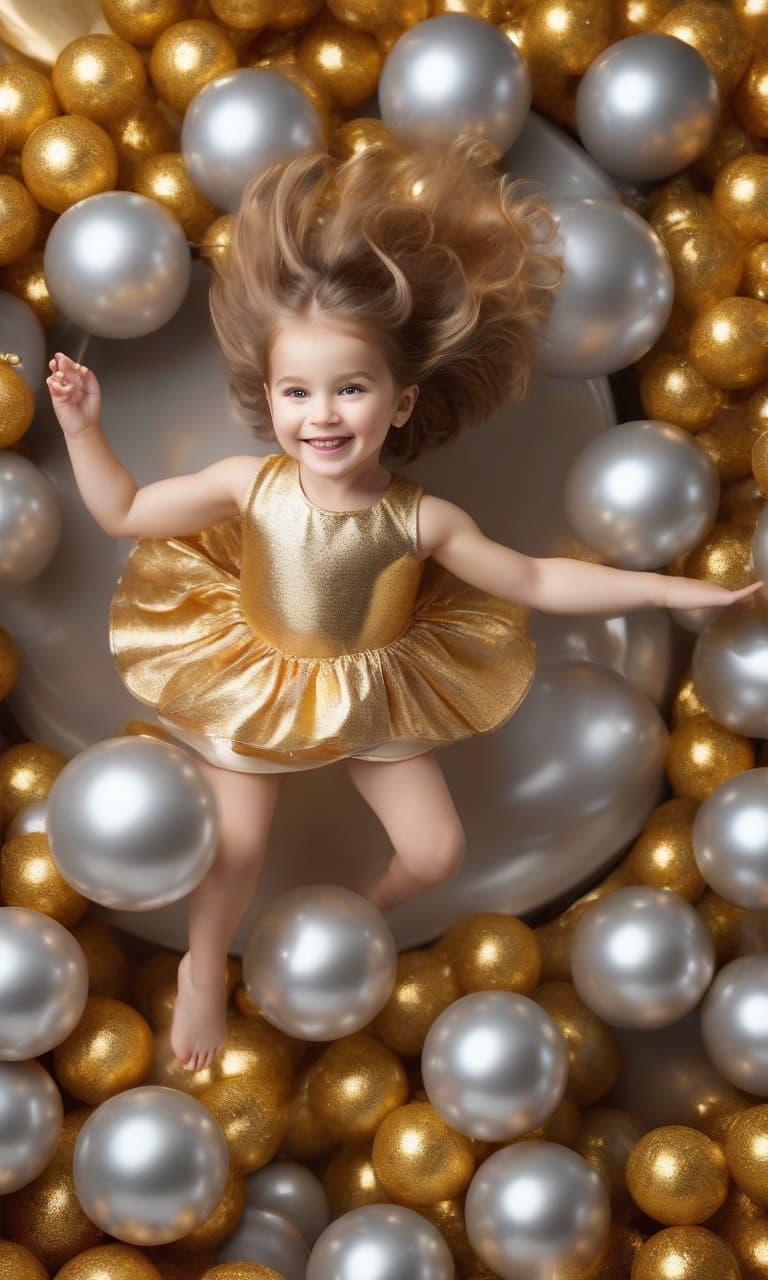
[(442, 855), (237, 857)]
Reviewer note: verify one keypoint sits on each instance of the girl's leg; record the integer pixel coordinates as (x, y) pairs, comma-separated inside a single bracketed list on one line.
[(412, 801), (216, 907)]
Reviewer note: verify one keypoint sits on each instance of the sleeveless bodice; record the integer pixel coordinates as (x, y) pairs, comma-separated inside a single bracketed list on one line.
[(317, 583)]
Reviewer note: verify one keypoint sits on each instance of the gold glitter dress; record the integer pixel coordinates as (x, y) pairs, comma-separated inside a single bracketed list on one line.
[(292, 636)]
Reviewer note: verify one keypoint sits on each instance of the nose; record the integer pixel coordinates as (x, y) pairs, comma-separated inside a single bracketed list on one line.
[(323, 410)]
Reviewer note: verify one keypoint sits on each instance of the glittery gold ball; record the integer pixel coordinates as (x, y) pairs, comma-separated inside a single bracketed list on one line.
[(632, 17), (221, 1222), (678, 203), (19, 221), (605, 1139), (295, 13), (748, 1240), (109, 1262), (493, 952), (749, 101), (729, 342), (109, 1050), (725, 557), (356, 1082), (30, 878), (142, 21), (687, 1253), (677, 1175), (27, 773), (370, 15), (142, 131), (759, 461), (253, 1114), (673, 390), (448, 1217), (713, 32), (17, 403), (663, 858), (741, 502), (165, 178), (728, 442), (26, 280), (561, 1125), (702, 754), (424, 987), (306, 1137), (172, 1264), (740, 196), (26, 101), (752, 17), (345, 63), (98, 76), (555, 938), (706, 261), (186, 57), (593, 1050), (419, 1158), (217, 238), (565, 36), (256, 1049), (358, 135), (17, 1263), (68, 159), (241, 1271), (723, 920), (154, 972), (755, 410), (110, 968), (746, 1151), (46, 1216), (245, 14), (728, 141), (494, 11), (350, 1180), (686, 703), (754, 280)]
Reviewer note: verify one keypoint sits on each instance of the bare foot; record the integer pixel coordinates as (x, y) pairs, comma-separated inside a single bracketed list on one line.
[(198, 1030)]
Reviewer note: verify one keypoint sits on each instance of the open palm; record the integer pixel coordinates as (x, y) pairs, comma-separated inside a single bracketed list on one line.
[(75, 394)]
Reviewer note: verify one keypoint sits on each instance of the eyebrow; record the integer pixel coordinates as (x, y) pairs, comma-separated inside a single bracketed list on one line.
[(358, 373)]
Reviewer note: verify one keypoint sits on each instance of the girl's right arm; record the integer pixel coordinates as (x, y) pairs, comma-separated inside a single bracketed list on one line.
[(168, 508)]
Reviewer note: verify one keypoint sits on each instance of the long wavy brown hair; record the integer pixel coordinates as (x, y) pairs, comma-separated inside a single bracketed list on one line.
[(430, 251)]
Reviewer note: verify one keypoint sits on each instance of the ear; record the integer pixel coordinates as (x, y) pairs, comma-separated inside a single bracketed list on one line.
[(405, 403)]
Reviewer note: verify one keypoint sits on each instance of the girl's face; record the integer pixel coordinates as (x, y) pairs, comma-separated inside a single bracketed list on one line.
[(332, 397)]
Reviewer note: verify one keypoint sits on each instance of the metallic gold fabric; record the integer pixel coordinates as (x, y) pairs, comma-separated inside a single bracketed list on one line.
[(296, 634)]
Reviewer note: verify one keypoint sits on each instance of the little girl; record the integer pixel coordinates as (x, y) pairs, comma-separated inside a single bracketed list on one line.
[(288, 611)]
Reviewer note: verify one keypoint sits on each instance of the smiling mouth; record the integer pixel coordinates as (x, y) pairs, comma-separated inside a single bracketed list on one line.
[(327, 444)]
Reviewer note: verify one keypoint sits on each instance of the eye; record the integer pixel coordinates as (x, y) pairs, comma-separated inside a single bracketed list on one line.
[(352, 386), (296, 391)]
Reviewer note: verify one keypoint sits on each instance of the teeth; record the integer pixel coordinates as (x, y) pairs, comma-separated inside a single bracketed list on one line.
[(328, 444)]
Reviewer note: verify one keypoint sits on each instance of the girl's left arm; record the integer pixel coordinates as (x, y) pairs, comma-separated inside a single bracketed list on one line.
[(557, 584)]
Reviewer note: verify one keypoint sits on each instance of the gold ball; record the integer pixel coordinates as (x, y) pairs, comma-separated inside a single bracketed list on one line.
[(678, 203), (19, 220), (425, 985), (678, 808), (110, 968), (729, 342), (494, 11), (632, 17), (221, 1222), (493, 952), (164, 178), (295, 13), (142, 21), (356, 1082), (17, 403), (746, 1150), (562, 1125), (754, 281), (306, 1137), (755, 410), (253, 1113), (711, 30), (741, 502), (245, 14), (109, 1050), (186, 57), (706, 262), (17, 1263), (752, 17), (142, 131), (159, 968), (217, 238), (68, 159), (605, 1139), (26, 280), (448, 1217), (685, 1253), (728, 442), (27, 773), (350, 1180), (673, 390), (563, 37), (46, 1216), (748, 1239), (740, 196), (615, 1259), (345, 63), (686, 703), (725, 557), (555, 938), (109, 1262), (677, 1175), (98, 76), (256, 1049), (702, 754), (728, 141), (663, 858), (241, 1271), (759, 461), (419, 1159), (358, 135), (26, 101), (593, 1051), (30, 878), (749, 101), (723, 920)]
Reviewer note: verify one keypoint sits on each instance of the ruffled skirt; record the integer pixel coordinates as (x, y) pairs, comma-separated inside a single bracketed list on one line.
[(182, 645)]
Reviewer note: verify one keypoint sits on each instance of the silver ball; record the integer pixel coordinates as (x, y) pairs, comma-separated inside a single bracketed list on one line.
[(734, 1023), (730, 839), (117, 264), (641, 957), (239, 125), (30, 520), (494, 1065), (384, 1241), (268, 1238), (133, 823), (320, 962), (150, 1165), (454, 74), (31, 1114), (642, 494), (730, 671), (292, 1190), (43, 983), (647, 107)]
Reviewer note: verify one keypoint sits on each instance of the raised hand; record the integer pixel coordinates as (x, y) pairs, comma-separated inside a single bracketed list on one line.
[(75, 394), (690, 593)]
